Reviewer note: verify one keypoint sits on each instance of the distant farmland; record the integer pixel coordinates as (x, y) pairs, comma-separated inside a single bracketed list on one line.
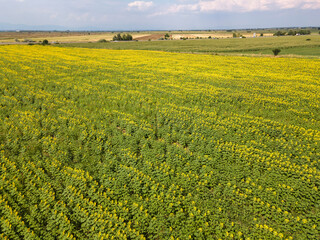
[(306, 46)]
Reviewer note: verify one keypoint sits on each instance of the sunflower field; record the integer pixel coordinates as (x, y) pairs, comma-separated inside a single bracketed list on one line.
[(127, 144)]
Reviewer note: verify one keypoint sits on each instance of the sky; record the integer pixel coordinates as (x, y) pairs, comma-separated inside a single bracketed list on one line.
[(156, 14)]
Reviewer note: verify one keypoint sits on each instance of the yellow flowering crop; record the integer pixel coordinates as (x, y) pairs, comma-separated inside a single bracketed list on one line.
[(108, 144)]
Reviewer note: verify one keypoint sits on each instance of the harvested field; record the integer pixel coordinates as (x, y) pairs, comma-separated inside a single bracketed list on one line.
[(151, 37)]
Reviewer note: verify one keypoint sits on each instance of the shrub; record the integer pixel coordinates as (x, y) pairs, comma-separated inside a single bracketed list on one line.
[(304, 32), (292, 33), (279, 33), (102, 41), (45, 42), (276, 51)]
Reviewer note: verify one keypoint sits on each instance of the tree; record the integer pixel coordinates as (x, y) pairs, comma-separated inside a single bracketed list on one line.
[(45, 42), (276, 51), (304, 32), (167, 36), (124, 37), (292, 33), (279, 33), (117, 37)]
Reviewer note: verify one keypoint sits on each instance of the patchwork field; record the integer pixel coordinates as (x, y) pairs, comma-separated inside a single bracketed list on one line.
[(306, 46), (127, 144)]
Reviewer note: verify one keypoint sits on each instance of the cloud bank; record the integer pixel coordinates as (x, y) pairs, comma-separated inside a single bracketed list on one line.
[(157, 14), (242, 6)]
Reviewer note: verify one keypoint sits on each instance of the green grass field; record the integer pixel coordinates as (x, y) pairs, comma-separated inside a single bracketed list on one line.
[(296, 45)]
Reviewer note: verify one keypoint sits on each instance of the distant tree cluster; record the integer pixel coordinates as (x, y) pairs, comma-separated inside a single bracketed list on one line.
[(300, 32), (293, 33), (124, 37), (279, 33)]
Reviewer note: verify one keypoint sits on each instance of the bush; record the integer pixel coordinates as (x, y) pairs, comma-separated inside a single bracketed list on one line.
[(279, 33), (300, 32), (304, 32), (292, 33), (102, 41), (238, 35), (276, 51), (45, 42)]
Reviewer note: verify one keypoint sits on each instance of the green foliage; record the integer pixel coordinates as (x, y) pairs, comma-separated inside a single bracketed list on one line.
[(304, 32), (45, 42), (276, 51), (279, 33), (300, 32), (124, 37), (292, 33), (238, 35), (102, 41)]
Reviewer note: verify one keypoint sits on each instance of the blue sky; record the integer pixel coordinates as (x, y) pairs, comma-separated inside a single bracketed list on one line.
[(155, 14)]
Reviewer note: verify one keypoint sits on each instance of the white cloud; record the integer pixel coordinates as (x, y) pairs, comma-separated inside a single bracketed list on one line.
[(140, 5), (241, 6), (177, 8)]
